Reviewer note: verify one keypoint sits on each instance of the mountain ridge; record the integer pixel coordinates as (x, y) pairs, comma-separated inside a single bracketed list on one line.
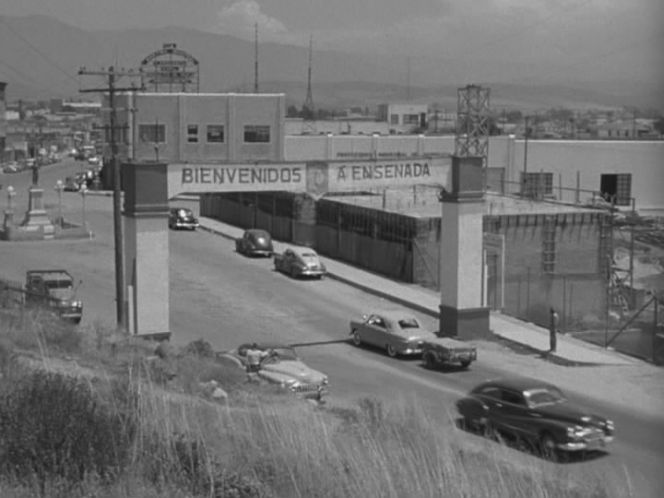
[(40, 57)]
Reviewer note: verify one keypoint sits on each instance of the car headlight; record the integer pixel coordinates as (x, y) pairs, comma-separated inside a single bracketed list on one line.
[(576, 432)]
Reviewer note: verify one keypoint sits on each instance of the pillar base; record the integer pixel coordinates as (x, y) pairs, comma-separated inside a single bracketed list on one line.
[(465, 324)]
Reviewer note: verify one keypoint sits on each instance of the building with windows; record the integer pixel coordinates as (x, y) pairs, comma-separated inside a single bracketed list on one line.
[(194, 127), (403, 118)]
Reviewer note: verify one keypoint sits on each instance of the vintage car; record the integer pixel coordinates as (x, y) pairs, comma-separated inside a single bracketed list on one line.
[(299, 262), (279, 364), (398, 332), (254, 242), (535, 412), (440, 351), (180, 217)]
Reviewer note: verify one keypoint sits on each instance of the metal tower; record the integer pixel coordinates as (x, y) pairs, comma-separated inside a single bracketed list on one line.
[(308, 107), (472, 125)]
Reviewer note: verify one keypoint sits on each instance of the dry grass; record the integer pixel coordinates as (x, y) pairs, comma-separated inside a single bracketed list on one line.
[(130, 431)]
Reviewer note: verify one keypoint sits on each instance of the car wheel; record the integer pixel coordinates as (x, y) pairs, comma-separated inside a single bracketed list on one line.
[(465, 363), (430, 359), (293, 272), (357, 340), (547, 447), (391, 352)]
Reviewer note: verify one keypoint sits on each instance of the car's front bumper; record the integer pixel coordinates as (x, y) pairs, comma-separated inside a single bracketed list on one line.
[(597, 443), (186, 224), (310, 272)]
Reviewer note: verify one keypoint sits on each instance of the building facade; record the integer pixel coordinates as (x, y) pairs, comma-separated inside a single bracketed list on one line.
[(187, 127)]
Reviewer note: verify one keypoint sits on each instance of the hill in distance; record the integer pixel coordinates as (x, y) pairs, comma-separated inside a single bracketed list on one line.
[(40, 58)]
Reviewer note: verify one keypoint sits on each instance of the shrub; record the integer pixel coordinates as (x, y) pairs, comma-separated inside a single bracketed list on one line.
[(53, 428)]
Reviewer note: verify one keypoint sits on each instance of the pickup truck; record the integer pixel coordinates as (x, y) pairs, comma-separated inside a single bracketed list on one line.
[(439, 351), (54, 290)]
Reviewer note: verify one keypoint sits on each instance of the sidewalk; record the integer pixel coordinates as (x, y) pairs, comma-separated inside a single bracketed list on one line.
[(570, 351)]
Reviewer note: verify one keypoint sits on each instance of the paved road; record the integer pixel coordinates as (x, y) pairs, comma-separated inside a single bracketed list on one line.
[(224, 298)]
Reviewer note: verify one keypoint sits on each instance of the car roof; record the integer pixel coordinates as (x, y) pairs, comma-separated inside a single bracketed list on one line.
[(393, 315), (515, 383), (302, 250), (257, 231)]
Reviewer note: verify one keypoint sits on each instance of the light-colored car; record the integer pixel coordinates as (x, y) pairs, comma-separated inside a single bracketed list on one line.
[(280, 364), (299, 262), (397, 332)]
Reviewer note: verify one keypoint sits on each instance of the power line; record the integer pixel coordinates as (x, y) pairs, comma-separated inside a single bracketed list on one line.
[(38, 51)]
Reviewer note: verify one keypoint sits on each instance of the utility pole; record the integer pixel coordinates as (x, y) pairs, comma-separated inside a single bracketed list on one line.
[(256, 58), (111, 89)]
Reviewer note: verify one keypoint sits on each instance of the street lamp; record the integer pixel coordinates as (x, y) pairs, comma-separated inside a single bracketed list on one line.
[(84, 190), (59, 187), (11, 193)]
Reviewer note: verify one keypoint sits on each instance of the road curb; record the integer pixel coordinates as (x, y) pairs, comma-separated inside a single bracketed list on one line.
[(384, 295), (216, 232)]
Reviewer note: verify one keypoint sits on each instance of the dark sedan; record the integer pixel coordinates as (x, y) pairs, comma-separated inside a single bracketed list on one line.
[(255, 242), (535, 412), (182, 218)]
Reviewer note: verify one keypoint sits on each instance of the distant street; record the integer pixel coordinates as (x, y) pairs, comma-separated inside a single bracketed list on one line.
[(227, 299)]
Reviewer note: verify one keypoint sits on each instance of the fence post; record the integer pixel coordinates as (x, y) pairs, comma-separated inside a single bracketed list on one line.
[(528, 293), (654, 332)]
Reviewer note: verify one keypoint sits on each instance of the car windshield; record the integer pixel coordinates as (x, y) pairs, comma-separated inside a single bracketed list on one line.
[(58, 284), (409, 323), (184, 212), (310, 257), (281, 354), (544, 396)]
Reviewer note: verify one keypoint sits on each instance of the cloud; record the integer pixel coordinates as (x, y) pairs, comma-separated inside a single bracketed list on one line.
[(238, 18)]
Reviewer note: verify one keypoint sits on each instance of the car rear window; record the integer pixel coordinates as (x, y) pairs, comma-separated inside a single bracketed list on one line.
[(409, 323)]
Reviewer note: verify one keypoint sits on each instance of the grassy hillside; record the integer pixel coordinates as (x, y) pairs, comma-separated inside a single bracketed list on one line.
[(89, 413)]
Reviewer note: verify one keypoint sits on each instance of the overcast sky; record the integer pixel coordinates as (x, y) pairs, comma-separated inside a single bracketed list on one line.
[(572, 32)]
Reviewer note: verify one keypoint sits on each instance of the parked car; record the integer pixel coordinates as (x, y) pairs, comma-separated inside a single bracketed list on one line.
[(180, 217), (535, 412), (281, 365), (398, 332), (255, 242), (300, 262), (73, 183), (439, 351)]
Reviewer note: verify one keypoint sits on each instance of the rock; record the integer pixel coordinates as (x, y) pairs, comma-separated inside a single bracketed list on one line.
[(219, 394)]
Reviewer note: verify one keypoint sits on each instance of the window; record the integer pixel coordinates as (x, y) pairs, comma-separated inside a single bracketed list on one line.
[(192, 134), (256, 133), (513, 397), (152, 133), (536, 185), (215, 134), (394, 119), (413, 119), (617, 188)]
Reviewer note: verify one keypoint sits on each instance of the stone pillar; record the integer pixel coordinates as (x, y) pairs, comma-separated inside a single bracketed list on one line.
[(145, 218), (462, 313), (36, 218)]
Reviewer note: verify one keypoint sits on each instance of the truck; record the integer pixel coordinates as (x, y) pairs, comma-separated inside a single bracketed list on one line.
[(54, 290), (439, 351)]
